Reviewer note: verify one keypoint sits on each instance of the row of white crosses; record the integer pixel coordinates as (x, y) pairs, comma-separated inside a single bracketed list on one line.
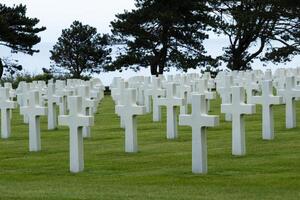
[(233, 104), (128, 109), (82, 100)]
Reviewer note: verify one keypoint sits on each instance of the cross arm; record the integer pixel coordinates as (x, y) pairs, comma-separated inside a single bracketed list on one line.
[(185, 120), (210, 120), (226, 108)]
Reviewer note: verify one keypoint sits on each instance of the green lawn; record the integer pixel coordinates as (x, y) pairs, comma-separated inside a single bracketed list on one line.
[(162, 168)]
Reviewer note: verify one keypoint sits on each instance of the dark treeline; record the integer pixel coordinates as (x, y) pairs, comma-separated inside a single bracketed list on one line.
[(164, 33)]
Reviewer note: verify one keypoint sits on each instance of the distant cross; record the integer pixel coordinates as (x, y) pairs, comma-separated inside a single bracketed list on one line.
[(268, 75), (202, 88), (120, 98), (157, 92), (171, 102), (225, 92), (238, 109), (76, 120), (183, 92), (87, 106), (128, 112), (33, 110), (251, 86), (199, 120), (289, 94), (116, 88), (267, 100), (147, 94), (22, 97), (52, 101), (6, 105), (63, 92)]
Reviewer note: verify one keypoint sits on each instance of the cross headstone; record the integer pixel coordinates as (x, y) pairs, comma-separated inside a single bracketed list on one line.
[(289, 94), (199, 120), (251, 87), (268, 75), (62, 92), (225, 92), (76, 120), (238, 109), (128, 112), (87, 106), (157, 92), (202, 88), (22, 97), (147, 94), (120, 97), (267, 100), (171, 101), (52, 101), (6, 105), (183, 92), (33, 110)]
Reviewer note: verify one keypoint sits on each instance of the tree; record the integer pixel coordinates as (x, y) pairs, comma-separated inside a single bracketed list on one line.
[(162, 34), (287, 33), (80, 49), (250, 26), (17, 32)]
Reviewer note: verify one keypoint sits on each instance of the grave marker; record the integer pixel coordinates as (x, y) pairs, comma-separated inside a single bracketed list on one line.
[(76, 120), (238, 109), (267, 100), (199, 120), (128, 112), (33, 110)]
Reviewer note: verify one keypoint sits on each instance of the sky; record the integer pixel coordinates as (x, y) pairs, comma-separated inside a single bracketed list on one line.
[(59, 14)]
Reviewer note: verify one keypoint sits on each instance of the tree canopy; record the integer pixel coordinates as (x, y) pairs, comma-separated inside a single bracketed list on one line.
[(161, 34), (17, 32), (80, 50)]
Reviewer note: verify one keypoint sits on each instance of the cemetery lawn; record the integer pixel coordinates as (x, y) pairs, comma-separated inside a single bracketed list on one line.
[(162, 168)]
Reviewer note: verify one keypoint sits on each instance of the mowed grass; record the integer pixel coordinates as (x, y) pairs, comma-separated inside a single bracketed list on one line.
[(161, 169)]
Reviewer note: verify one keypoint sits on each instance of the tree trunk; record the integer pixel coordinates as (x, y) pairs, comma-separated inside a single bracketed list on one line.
[(153, 70), (1, 68)]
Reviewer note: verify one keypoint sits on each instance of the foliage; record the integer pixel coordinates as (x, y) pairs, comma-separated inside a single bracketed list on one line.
[(253, 27), (162, 34), (287, 34), (80, 50), (17, 32)]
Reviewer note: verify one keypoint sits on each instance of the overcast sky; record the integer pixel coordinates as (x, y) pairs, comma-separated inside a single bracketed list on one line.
[(59, 14)]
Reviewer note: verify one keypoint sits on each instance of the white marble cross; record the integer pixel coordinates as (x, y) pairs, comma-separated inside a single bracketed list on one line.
[(128, 112), (33, 110), (225, 92), (87, 106), (184, 91), (251, 86), (6, 105), (199, 120), (22, 97), (120, 97), (171, 101), (268, 75), (76, 120), (147, 94), (202, 88), (267, 100), (238, 109), (63, 92), (52, 101), (157, 92), (289, 94)]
